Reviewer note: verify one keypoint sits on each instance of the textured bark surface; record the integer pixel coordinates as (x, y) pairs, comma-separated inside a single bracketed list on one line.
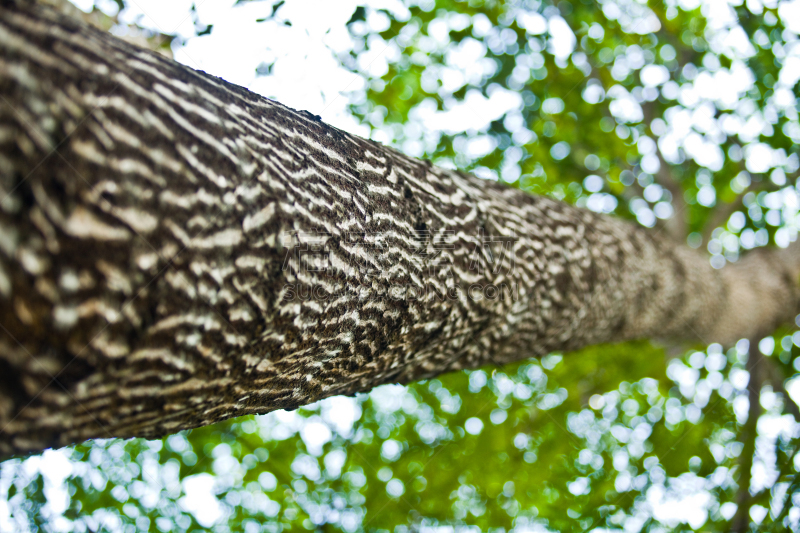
[(176, 250)]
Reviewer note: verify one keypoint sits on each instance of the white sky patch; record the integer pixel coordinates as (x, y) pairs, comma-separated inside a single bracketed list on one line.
[(733, 41), (388, 398), (724, 86), (84, 5), (166, 17), (280, 425), (689, 5), (761, 157), (56, 467), (594, 93), (624, 106), (439, 31), (533, 23), (475, 112), (632, 16), (341, 412), (790, 73), (200, 499), (793, 388), (719, 14), (562, 41), (770, 428), (684, 502), (467, 56), (653, 75), (315, 435), (391, 449), (238, 30), (480, 146), (473, 425), (374, 61), (452, 79), (790, 15)]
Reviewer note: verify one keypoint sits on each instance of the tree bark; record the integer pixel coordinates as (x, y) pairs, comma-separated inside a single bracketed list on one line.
[(176, 250)]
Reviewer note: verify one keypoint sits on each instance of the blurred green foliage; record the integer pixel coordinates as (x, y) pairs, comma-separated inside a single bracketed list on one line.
[(641, 113), (569, 442)]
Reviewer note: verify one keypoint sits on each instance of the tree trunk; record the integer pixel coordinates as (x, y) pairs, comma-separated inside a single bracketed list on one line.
[(176, 250)]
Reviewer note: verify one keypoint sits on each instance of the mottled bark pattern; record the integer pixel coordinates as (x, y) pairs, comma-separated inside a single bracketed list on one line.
[(149, 283)]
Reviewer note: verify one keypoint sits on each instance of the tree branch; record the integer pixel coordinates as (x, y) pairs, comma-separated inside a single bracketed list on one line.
[(748, 434), (176, 250)]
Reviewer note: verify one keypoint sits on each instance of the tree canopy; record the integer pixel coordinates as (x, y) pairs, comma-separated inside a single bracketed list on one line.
[(681, 116)]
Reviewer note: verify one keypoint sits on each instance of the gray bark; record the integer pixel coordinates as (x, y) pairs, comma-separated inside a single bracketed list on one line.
[(176, 250)]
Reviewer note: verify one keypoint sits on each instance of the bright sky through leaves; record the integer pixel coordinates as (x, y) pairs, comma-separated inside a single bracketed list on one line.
[(681, 115)]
